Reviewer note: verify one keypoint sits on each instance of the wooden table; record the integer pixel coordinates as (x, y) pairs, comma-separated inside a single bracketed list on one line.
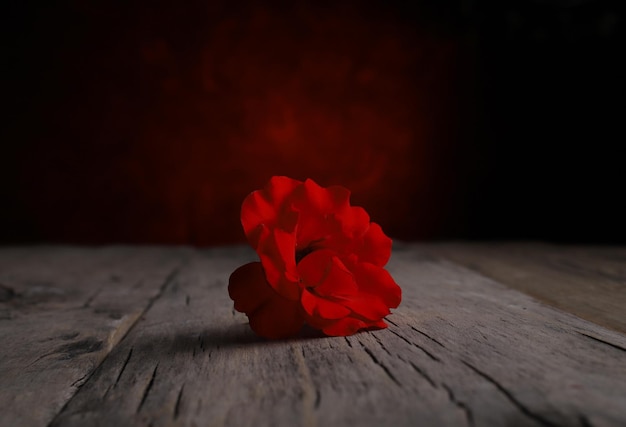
[(486, 335)]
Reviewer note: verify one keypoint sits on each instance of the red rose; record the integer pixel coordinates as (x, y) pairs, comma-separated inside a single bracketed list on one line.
[(321, 262)]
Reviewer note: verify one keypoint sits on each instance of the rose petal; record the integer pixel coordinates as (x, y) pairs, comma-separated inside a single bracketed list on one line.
[(350, 325), (313, 268), (268, 206), (320, 199), (317, 206), (323, 271), (248, 288), (277, 318), (316, 306), (376, 247), (270, 314), (277, 253), (355, 221), (344, 327), (381, 324), (368, 306), (374, 280), (345, 230), (338, 282)]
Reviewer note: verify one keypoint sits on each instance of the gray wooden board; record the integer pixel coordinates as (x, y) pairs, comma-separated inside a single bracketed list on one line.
[(62, 309), (589, 281), (462, 349)]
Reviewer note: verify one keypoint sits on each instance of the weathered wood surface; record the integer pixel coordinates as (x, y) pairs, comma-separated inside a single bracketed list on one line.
[(589, 282), (462, 349), (62, 310)]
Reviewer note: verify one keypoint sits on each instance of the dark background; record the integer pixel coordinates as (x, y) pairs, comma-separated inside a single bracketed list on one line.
[(149, 122)]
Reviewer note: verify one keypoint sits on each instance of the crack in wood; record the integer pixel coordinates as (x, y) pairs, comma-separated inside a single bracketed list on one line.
[(148, 388), (71, 350), (380, 364), (311, 394), (106, 392), (117, 380), (469, 417), (167, 283), (423, 374), (610, 344), (7, 293), (401, 337), (201, 343), (77, 348), (428, 353), (519, 405), (78, 380), (318, 398), (427, 336), (178, 400), (382, 345), (584, 421), (414, 344), (93, 296), (43, 356)]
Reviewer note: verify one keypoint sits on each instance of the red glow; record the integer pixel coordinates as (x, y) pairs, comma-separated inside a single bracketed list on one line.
[(170, 125)]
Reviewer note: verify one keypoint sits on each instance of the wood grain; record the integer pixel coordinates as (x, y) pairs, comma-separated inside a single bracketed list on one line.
[(62, 310), (589, 282), (462, 350)]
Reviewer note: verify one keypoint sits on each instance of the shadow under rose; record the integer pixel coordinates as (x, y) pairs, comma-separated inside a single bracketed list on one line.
[(201, 339)]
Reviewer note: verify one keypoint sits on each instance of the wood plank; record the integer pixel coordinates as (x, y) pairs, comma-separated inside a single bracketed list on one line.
[(461, 350), (589, 282), (62, 309)]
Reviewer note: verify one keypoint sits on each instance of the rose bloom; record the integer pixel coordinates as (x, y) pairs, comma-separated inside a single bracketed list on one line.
[(321, 262)]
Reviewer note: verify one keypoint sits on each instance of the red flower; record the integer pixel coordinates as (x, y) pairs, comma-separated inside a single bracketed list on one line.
[(321, 262)]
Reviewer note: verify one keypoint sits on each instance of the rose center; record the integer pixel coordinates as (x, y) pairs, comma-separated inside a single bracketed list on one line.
[(302, 253), (312, 246)]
